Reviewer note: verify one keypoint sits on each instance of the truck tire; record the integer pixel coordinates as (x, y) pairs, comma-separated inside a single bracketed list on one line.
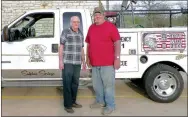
[(163, 83)]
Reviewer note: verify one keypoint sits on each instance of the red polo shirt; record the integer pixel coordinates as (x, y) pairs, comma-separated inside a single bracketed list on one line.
[(101, 40)]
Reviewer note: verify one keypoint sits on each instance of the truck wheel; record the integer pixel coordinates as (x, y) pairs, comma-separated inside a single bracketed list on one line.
[(163, 83)]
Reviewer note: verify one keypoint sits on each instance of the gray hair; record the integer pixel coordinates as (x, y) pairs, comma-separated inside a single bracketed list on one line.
[(71, 19)]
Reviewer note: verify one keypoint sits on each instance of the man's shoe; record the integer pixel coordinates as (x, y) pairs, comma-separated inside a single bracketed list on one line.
[(75, 105), (97, 105), (69, 110), (107, 111)]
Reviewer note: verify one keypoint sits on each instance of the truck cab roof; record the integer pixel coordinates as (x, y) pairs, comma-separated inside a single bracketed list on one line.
[(57, 9)]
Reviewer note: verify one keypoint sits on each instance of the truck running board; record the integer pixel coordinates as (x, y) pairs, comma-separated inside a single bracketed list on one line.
[(38, 83)]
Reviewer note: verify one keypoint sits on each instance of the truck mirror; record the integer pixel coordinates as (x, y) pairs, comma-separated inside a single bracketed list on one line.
[(5, 34)]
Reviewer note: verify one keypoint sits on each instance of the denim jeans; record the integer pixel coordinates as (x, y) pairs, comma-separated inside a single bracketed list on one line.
[(103, 79), (71, 75)]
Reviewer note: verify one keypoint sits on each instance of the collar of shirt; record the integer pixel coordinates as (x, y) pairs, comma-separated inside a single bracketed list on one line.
[(75, 31)]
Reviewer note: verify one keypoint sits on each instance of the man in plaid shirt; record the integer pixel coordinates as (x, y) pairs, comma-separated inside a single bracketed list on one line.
[(71, 56)]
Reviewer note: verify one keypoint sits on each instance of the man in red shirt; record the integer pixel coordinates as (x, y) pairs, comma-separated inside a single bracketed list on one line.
[(103, 54)]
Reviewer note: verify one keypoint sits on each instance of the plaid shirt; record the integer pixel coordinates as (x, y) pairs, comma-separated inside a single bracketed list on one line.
[(73, 43)]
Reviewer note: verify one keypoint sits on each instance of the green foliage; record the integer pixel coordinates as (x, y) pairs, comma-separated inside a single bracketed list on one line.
[(180, 20), (152, 21)]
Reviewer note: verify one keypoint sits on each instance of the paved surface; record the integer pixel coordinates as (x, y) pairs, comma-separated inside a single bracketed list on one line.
[(48, 101)]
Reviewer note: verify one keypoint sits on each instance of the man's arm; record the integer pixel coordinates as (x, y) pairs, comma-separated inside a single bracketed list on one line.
[(87, 56), (62, 42), (87, 49), (61, 54), (83, 55), (117, 44), (116, 39), (117, 48), (87, 52)]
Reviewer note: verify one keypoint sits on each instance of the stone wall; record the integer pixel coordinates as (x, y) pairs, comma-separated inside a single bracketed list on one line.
[(13, 9)]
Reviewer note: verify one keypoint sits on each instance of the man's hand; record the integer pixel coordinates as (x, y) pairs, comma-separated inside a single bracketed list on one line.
[(117, 63), (61, 66)]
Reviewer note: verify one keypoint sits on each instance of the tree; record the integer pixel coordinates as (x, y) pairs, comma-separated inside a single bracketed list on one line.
[(180, 19), (152, 19), (156, 20)]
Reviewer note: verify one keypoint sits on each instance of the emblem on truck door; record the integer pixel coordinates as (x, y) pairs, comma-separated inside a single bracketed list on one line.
[(36, 52), (164, 41)]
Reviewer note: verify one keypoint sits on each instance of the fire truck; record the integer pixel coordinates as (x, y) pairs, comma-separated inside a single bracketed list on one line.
[(153, 56)]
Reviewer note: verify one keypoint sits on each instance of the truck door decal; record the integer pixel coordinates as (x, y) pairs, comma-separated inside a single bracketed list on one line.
[(123, 63), (40, 73), (129, 52), (36, 52), (125, 39), (163, 41)]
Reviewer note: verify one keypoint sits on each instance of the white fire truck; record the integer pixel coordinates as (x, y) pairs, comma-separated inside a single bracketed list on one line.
[(155, 56)]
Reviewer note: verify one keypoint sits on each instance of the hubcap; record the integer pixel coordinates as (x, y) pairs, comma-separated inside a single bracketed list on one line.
[(164, 84)]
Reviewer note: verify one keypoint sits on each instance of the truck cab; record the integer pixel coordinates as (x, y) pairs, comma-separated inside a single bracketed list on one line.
[(30, 45), (152, 56)]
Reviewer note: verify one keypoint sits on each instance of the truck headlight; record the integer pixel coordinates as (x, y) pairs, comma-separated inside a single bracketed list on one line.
[(110, 19)]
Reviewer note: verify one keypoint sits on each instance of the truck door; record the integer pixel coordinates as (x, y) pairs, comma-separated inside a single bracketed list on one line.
[(33, 51), (129, 49)]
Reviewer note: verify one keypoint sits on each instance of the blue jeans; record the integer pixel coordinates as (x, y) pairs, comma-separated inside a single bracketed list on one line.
[(71, 75), (103, 79)]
